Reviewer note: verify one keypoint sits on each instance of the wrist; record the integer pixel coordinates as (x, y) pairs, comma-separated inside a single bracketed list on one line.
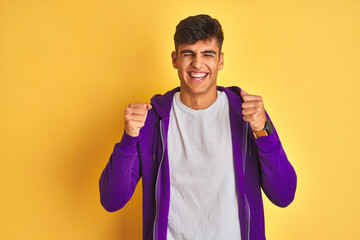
[(266, 131), (132, 133)]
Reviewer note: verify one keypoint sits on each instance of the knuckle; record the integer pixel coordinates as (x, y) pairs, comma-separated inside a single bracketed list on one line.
[(130, 125)]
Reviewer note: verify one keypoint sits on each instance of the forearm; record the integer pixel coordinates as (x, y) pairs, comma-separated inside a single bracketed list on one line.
[(120, 176), (278, 177)]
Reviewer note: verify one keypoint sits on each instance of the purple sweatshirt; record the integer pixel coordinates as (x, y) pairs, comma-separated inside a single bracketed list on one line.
[(259, 163)]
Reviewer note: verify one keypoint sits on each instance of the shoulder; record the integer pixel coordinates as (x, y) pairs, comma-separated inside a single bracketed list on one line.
[(161, 103), (232, 92)]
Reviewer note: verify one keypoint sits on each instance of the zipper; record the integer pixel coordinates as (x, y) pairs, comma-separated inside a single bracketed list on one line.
[(247, 204), (245, 141), (245, 129), (157, 178), (154, 143)]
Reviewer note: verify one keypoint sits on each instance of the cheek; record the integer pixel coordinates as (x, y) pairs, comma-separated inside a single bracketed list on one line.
[(212, 64), (183, 67), (182, 71), (213, 67)]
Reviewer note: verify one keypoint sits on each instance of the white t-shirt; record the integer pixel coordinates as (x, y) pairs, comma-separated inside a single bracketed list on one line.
[(203, 200)]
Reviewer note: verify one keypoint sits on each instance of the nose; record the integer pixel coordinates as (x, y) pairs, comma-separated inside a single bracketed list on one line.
[(197, 61)]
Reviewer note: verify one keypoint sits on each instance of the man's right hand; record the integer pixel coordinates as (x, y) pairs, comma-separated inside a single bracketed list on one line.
[(135, 116)]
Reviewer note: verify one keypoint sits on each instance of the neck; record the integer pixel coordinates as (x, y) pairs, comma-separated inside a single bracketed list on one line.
[(198, 101)]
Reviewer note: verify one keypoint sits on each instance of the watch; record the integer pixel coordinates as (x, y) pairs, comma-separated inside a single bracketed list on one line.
[(268, 129)]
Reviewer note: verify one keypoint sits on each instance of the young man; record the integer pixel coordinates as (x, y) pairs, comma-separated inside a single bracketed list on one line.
[(203, 151)]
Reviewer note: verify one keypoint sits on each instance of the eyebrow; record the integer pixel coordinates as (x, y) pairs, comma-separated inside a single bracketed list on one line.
[(190, 51), (210, 51)]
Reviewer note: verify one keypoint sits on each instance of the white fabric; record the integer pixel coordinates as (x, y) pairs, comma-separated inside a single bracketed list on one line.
[(203, 201)]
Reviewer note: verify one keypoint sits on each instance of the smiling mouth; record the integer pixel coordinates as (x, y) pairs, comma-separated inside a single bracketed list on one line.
[(198, 76)]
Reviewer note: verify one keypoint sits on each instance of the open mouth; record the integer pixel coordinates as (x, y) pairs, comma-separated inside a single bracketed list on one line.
[(198, 76)]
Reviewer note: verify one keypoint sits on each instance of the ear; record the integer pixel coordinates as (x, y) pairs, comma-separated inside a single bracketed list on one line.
[(174, 59), (221, 62)]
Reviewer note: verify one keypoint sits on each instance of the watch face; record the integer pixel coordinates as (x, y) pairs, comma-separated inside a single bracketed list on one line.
[(269, 127)]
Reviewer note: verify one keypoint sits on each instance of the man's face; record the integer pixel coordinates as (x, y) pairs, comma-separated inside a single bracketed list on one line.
[(198, 65)]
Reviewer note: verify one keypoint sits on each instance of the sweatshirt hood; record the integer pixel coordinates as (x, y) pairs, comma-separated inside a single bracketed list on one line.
[(162, 103)]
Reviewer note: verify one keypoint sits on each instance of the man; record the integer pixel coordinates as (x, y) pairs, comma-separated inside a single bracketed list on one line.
[(203, 151)]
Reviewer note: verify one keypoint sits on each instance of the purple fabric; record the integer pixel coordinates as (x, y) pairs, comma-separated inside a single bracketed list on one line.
[(266, 166)]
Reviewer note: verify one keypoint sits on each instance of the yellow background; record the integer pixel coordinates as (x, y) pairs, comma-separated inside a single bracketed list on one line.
[(69, 68)]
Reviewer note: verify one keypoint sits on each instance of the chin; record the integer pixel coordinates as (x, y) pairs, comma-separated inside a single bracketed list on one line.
[(197, 89)]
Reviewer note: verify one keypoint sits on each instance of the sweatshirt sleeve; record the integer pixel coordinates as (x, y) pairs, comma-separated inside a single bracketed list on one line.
[(278, 177), (121, 174)]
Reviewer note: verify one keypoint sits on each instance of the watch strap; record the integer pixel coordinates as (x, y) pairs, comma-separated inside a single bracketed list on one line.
[(261, 133), (268, 129)]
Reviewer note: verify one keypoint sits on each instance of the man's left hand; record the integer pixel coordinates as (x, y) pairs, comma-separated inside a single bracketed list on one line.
[(253, 111)]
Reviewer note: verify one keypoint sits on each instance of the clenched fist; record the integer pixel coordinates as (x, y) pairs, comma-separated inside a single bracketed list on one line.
[(135, 116), (253, 111)]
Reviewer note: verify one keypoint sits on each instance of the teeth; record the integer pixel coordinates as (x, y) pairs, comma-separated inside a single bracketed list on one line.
[(198, 75)]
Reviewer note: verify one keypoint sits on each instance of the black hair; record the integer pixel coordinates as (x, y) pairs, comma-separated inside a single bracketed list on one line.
[(199, 27)]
